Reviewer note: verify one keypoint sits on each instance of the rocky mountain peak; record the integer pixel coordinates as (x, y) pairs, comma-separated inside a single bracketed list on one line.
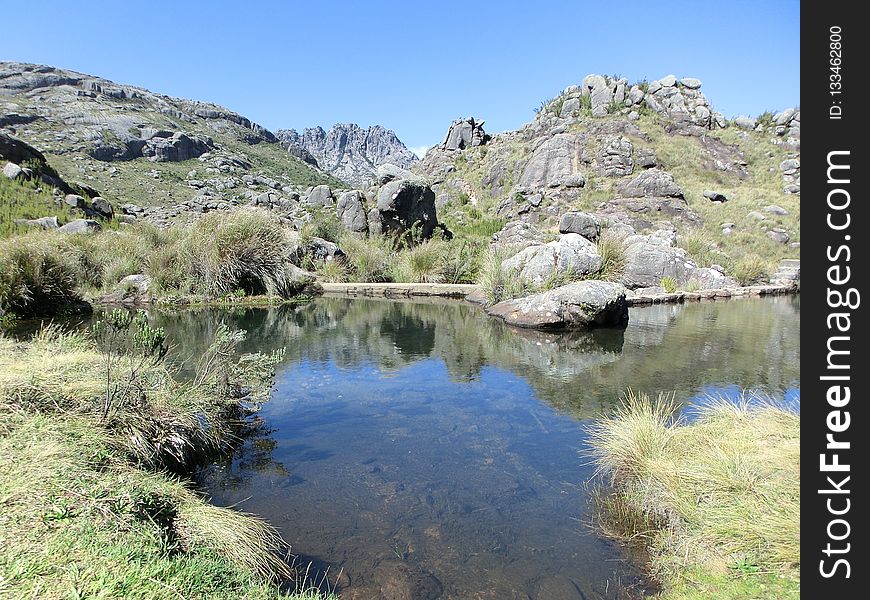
[(348, 151)]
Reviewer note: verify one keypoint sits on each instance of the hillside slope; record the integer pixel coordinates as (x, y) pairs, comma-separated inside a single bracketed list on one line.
[(644, 158), (134, 146)]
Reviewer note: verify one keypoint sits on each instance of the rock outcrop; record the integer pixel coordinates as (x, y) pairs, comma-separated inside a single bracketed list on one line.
[(348, 151), (650, 259), (406, 203), (556, 162), (464, 133)]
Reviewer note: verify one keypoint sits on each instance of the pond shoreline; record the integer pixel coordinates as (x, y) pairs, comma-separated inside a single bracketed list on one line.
[(474, 293)]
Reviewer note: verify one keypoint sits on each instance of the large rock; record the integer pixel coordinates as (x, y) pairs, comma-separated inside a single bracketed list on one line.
[(651, 183), (651, 258), (41, 222), (517, 234), (389, 172), (464, 133), (571, 255), (555, 163), (404, 203), (318, 249), (614, 158), (578, 305), (102, 207), (176, 147), (351, 210), (600, 93), (16, 151), (319, 196), (80, 226), (582, 223), (13, 171)]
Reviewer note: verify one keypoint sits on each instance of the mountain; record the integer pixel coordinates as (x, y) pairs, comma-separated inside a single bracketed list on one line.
[(695, 195), (348, 151), (132, 146)]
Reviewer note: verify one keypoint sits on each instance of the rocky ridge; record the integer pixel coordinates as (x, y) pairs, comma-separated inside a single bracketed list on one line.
[(160, 157), (348, 151)]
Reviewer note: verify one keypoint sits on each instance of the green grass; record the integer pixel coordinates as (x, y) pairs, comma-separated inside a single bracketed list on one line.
[(669, 284), (421, 263), (37, 276), (25, 200), (499, 283), (716, 501), (245, 252), (90, 507), (611, 248)]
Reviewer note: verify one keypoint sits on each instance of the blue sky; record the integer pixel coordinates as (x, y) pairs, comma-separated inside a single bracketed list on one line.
[(414, 67)]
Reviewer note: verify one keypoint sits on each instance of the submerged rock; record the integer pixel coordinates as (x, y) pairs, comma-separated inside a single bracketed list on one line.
[(578, 305)]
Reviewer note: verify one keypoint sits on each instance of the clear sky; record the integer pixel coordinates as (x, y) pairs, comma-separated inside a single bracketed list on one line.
[(414, 66)]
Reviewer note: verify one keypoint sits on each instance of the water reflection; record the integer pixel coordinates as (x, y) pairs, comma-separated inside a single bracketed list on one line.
[(668, 348), (430, 451)]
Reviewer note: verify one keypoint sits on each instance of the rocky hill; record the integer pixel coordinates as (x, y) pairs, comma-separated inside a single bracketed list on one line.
[(165, 156), (348, 151), (696, 200), (653, 162)]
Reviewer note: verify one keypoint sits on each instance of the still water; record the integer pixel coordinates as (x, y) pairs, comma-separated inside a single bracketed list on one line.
[(425, 450)]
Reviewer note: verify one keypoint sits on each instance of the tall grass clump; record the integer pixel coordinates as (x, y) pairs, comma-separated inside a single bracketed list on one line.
[(749, 269), (499, 283), (699, 249), (463, 259), (37, 277), (425, 262), (611, 248), (244, 250), (719, 494), (325, 225), (369, 259), (91, 432)]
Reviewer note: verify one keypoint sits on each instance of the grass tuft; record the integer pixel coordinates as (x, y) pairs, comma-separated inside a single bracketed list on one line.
[(719, 494)]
